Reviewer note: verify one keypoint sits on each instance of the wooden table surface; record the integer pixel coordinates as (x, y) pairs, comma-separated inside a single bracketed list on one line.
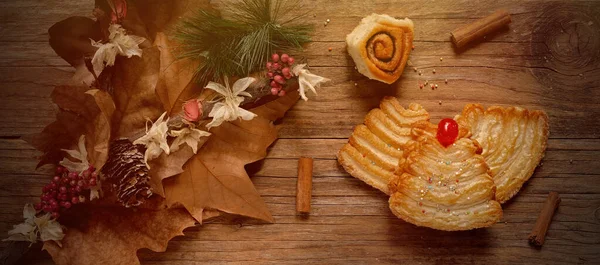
[(549, 59)]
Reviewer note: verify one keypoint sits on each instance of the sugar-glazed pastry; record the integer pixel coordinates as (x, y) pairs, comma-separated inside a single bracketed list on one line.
[(374, 149), (380, 46), (514, 142), (445, 188)]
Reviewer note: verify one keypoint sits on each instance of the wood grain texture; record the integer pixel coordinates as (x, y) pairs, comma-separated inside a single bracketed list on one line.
[(548, 59)]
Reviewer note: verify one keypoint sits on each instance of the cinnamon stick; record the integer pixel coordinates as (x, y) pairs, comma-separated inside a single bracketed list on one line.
[(304, 185), (538, 234), (480, 28)]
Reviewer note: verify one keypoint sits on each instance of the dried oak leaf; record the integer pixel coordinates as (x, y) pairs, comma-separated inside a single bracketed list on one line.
[(215, 178), (166, 166), (81, 111), (176, 79), (109, 234), (133, 83)]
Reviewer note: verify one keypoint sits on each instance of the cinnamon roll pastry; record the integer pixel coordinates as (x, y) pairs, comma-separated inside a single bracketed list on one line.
[(514, 142), (374, 149), (444, 188), (380, 46)]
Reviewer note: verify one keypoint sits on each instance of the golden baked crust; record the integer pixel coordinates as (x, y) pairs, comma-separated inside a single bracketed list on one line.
[(514, 142), (373, 151), (444, 188), (380, 46)]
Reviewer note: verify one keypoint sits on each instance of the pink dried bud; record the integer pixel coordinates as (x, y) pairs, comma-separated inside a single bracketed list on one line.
[(279, 79), (285, 58), (192, 110), (276, 66), (274, 91), (291, 60), (275, 57), (270, 75), (269, 65), (282, 93)]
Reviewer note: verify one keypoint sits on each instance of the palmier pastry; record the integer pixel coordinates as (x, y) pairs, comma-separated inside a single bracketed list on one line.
[(380, 46), (373, 151), (444, 188), (513, 140)]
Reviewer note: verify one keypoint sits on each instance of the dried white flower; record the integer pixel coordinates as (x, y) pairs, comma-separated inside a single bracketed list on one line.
[(307, 81), (189, 136), (80, 155), (155, 139), (47, 228), (119, 43), (228, 107)]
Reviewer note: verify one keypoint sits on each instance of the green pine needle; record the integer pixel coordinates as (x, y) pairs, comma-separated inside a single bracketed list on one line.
[(241, 41)]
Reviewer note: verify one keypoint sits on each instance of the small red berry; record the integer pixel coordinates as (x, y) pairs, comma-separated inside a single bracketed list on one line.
[(60, 169), (269, 65), (275, 57), (291, 61), (53, 186), (67, 205), (279, 79), (75, 200), (94, 175), (63, 197), (447, 132), (80, 183), (55, 215), (276, 66), (78, 189), (71, 175), (38, 206), (285, 58), (274, 90), (72, 182), (285, 71), (72, 190), (56, 179), (47, 208), (45, 189), (62, 189), (86, 174), (270, 75), (282, 93)]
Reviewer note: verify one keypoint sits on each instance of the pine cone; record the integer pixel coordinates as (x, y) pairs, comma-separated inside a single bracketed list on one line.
[(127, 172)]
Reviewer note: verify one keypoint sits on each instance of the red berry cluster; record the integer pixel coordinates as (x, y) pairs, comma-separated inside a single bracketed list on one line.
[(65, 190), (279, 71)]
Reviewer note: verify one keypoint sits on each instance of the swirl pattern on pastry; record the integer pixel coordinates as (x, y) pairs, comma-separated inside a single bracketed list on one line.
[(373, 151), (514, 142), (444, 188), (380, 46)]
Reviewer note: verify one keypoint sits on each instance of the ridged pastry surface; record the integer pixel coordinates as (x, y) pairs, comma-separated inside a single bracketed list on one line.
[(444, 188), (374, 149), (513, 139)]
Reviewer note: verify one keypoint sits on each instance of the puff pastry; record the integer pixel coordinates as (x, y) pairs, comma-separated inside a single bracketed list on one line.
[(513, 140), (444, 188), (373, 151), (380, 46)]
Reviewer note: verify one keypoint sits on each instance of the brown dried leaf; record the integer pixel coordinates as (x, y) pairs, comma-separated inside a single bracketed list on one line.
[(162, 15), (108, 234), (134, 81), (176, 80), (216, 178), (79, 113), (167, 166)]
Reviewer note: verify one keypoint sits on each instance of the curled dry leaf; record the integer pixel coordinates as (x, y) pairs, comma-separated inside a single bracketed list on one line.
[(215, 178), (81, 111), (166, 166), (133, 83), (109, 234), (176, 79)]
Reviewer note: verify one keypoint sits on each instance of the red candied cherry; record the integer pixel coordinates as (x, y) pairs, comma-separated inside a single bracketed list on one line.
[(447, 132)]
